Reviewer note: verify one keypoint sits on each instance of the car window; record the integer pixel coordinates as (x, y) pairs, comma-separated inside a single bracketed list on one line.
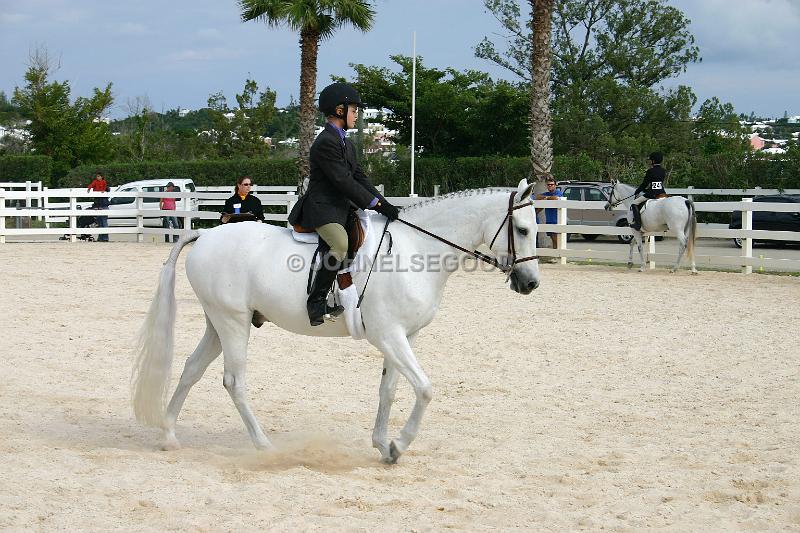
[(190, 187), (155, 188), (594, 195), (572, 193), (120, 200)]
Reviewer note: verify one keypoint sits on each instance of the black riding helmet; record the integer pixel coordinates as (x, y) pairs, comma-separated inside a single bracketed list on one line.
[(657, 157), (337, 94)]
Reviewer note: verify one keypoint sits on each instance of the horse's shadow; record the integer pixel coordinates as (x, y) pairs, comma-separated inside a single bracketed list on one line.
[(106, 439)]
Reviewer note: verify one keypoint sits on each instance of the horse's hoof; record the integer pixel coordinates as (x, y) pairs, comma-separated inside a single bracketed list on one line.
[(695, 272), (170, 444), (671, 270), (630, 265), (394, 454)]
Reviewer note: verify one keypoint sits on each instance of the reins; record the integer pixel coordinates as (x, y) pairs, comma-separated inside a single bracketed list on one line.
[(512, 251)]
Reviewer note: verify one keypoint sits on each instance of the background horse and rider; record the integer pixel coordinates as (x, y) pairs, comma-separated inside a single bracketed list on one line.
[(673, 213)]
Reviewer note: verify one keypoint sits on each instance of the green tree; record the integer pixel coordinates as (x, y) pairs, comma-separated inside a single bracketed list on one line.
[(70, 133), (315, 20), (636, 42), (458, 113), (240, 131)]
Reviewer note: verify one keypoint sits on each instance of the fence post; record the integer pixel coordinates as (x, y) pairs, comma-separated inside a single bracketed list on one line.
[(73, 219), (690, 195), (45, 204), (651, 251), (435, 191), (561, 238), (2, 216), (290, 205), (139, 218), (747, 242)]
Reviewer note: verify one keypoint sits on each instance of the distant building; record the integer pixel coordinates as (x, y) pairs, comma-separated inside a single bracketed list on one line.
[(183, 112)]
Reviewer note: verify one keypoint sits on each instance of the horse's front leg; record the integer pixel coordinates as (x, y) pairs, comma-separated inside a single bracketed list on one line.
[(397, 350), (630, 253), (639, 236), (380, 439)]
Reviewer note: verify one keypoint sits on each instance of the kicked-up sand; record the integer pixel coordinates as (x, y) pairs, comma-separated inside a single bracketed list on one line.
[(606, 399)]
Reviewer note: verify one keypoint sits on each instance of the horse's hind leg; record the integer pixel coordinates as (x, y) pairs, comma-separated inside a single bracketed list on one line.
[(207, 350), (397, 350), (682, 240), (234, 336)]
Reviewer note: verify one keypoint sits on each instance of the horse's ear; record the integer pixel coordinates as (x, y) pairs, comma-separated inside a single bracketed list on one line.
[(524, 190)]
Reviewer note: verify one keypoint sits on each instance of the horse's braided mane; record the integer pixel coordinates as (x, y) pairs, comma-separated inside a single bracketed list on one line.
[(457, 194)]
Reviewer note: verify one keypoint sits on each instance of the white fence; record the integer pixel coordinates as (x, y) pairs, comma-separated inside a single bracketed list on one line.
[(68, 205)]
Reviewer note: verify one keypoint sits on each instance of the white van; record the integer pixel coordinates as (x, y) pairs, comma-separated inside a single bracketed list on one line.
[(159, 185)]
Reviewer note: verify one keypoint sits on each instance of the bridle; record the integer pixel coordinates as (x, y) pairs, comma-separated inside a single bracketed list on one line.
[(611, 201), (512, 250)]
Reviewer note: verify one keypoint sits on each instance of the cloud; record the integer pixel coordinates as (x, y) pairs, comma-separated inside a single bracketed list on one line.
[(209, 34), (13, 18), (129, 28), (195, 55)]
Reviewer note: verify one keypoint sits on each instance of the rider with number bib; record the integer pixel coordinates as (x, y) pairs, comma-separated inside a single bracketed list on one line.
[(336, 186), (652, 186)]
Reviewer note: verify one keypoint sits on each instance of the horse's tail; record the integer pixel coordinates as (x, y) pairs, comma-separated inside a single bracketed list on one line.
[(154, 345), (691, 228)]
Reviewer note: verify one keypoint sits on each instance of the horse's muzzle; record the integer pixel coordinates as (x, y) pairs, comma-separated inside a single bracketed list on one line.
[(523, 286)]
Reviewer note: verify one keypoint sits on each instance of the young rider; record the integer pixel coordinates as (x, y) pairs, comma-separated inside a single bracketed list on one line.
[(652, 186), (336, 184)]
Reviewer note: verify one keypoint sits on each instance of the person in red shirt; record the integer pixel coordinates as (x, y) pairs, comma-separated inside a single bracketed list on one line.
[(169, 204), (100, 184)]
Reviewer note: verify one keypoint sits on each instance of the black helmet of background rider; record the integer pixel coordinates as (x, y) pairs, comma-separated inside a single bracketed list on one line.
[(337, 94), (656, 158)]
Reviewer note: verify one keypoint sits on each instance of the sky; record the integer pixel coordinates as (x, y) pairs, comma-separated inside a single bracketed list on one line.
[(175, 54)]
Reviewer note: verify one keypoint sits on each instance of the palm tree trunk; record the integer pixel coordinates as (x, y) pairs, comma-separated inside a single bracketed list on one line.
[(541, 122), (309, 48)]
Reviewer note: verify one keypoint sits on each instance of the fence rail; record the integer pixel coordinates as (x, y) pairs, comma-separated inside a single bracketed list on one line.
[(67, 205)]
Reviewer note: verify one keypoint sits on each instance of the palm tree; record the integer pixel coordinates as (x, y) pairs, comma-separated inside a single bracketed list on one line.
[(315, 20), (540, 119)]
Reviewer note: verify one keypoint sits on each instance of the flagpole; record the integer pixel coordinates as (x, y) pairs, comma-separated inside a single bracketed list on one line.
[(413, 104)]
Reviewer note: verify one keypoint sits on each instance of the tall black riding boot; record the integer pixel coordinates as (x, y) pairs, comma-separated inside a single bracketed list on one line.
[(637, 218), (317, 303)]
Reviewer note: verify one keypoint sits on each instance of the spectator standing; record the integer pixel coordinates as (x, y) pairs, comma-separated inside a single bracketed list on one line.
[(169, 204), (99, 184), (551, 214)]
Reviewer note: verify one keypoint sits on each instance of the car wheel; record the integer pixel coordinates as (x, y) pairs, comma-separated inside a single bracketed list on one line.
[(590, 236), (737, 242), (624, 239)]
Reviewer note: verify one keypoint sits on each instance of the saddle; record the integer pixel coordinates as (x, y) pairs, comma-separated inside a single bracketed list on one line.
[(645, 204), (356, 234)]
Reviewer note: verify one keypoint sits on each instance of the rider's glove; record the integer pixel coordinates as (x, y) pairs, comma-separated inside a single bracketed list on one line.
[(386, 209)]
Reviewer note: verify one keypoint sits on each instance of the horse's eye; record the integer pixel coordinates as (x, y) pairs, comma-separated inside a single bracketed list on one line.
[(522, 231)]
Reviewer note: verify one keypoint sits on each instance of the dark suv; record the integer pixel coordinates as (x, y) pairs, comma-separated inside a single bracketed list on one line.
[(770, 221), (594, 191)]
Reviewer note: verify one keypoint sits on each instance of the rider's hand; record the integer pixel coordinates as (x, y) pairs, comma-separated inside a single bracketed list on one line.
[(388, 210)]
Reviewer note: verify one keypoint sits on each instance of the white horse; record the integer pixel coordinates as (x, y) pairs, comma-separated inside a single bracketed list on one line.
[(246, 273), (675, 213)]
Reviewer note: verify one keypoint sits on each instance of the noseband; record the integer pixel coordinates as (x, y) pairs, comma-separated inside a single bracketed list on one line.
[(512, 250)]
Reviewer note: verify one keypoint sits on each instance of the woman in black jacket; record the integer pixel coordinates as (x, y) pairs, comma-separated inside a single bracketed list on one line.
[(242, 202)]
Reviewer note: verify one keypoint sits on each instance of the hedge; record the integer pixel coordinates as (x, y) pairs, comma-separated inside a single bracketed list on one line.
[(22, 168), (202, 172), (720, 170)]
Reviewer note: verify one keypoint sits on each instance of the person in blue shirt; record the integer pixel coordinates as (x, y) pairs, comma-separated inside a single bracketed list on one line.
[(551, 215)]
